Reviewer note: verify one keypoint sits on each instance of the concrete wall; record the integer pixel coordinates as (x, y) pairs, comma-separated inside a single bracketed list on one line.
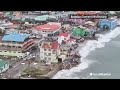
[(11, 48), (52, 73), (44, 33), (52, 56)]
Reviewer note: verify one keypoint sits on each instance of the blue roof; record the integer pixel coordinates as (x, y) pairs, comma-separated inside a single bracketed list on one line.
[(13, 36)]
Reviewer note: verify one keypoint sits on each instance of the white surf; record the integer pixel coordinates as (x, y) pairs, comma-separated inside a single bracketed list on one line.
[(84, 52)]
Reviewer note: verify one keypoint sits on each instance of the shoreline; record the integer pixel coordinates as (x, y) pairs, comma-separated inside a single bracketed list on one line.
[(106, 37), (88, 45), (52, 49)]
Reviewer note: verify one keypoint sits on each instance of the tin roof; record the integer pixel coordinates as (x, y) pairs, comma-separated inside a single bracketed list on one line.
[(17, 37), (50, 45), (44, 17), (48, 27)]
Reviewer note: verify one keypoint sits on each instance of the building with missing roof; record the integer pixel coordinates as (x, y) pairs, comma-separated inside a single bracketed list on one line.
[(49, 51)]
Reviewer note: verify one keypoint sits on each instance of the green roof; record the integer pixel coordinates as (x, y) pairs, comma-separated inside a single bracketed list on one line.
[(2, 63), (79, 31), (11, 54), (44, 17), (21, 19), (7, 13), (41, 18)]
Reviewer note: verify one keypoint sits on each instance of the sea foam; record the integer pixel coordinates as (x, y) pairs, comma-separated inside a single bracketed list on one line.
[(84, 52)]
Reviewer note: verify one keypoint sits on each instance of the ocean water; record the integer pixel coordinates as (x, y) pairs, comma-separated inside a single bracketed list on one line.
[(100, 59)]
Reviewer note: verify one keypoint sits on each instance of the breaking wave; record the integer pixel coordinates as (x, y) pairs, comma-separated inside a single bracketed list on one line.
[(84, 52)]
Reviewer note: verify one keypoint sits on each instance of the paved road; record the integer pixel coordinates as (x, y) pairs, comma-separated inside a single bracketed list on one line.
[(14, 71)]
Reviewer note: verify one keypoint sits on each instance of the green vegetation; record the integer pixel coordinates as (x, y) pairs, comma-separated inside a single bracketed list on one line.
[(33, 72)]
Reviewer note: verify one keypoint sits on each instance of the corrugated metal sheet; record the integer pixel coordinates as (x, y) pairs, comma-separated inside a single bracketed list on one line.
[(17, 37)]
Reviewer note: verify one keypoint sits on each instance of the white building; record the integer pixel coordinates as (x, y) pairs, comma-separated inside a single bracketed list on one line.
[(49, 29), (49, 51), (63, 36)]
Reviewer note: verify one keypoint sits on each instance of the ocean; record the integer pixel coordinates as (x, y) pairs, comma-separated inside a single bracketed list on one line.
[(100, 59)]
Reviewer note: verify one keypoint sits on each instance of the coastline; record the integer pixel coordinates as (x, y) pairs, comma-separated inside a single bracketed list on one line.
[(85, 48), (59, 47)]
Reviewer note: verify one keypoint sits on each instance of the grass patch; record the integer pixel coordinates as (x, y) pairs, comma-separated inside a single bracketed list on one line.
[(33, 72)]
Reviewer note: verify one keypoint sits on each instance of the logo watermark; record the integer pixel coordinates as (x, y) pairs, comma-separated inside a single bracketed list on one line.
[(100, 74), (88, 16)]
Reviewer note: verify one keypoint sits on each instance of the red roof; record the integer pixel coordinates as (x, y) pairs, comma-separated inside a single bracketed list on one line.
[(64, 34), (54, 45), (45, 46), (48, 27), (85, 12)]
